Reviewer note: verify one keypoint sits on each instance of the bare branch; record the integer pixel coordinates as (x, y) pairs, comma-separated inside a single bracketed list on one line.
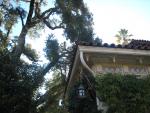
[(20, 17), (49, 66), (7, 34), (29, 17), (4, 6), (49, 11), (51, 27), (45, 15)]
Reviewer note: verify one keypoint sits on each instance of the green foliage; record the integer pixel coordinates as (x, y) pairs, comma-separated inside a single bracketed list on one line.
[(82, 105), (4, 41), (9, 15), (54, 89), (30, 53), (52, 48), (124, 94), (60, 54), (77, 20), (123, 36), (18, 86)]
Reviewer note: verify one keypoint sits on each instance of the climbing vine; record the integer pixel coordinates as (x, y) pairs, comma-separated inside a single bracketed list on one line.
[(124, 94)]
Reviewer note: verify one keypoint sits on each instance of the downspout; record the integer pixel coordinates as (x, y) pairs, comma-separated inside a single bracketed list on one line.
[(84, 63), (100, 105)]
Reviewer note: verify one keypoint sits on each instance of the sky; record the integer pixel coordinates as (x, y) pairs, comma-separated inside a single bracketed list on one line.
[(110, 16)]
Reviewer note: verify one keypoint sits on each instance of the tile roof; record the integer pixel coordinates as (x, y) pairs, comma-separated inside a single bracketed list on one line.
[(134, 44)]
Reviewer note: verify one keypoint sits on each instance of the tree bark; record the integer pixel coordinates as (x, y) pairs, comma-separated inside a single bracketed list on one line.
[(21, 39), (20, 45), (49, 66)]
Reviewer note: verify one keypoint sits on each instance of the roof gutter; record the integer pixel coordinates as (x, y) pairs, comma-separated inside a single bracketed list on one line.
[(100, 105), (98, 102), (79, 56), (84, 63)]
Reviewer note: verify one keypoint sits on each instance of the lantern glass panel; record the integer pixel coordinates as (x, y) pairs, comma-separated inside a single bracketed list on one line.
[(81, 91)]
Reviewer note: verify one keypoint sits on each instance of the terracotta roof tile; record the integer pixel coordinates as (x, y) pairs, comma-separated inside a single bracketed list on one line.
[(134, 44)]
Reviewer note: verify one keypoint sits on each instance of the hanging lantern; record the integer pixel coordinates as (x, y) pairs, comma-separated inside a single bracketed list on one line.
[(60, 102), (81, 91)]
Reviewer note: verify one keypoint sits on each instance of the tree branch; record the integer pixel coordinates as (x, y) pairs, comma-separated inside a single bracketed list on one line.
[(43, 16), (29, 17), (49, 66), (21, 39), (49, 11), (7, 34), (20, 17), (51, 27), (33, 23)]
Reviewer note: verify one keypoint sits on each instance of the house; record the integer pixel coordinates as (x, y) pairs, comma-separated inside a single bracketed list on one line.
[(133, 58)]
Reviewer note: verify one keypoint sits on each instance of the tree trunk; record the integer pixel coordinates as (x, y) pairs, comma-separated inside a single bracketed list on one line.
[(21, 39), (49, 66), (20, 45)]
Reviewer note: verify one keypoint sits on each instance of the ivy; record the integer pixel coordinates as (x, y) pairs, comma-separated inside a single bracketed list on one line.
[(82, 105), (124, 94)]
